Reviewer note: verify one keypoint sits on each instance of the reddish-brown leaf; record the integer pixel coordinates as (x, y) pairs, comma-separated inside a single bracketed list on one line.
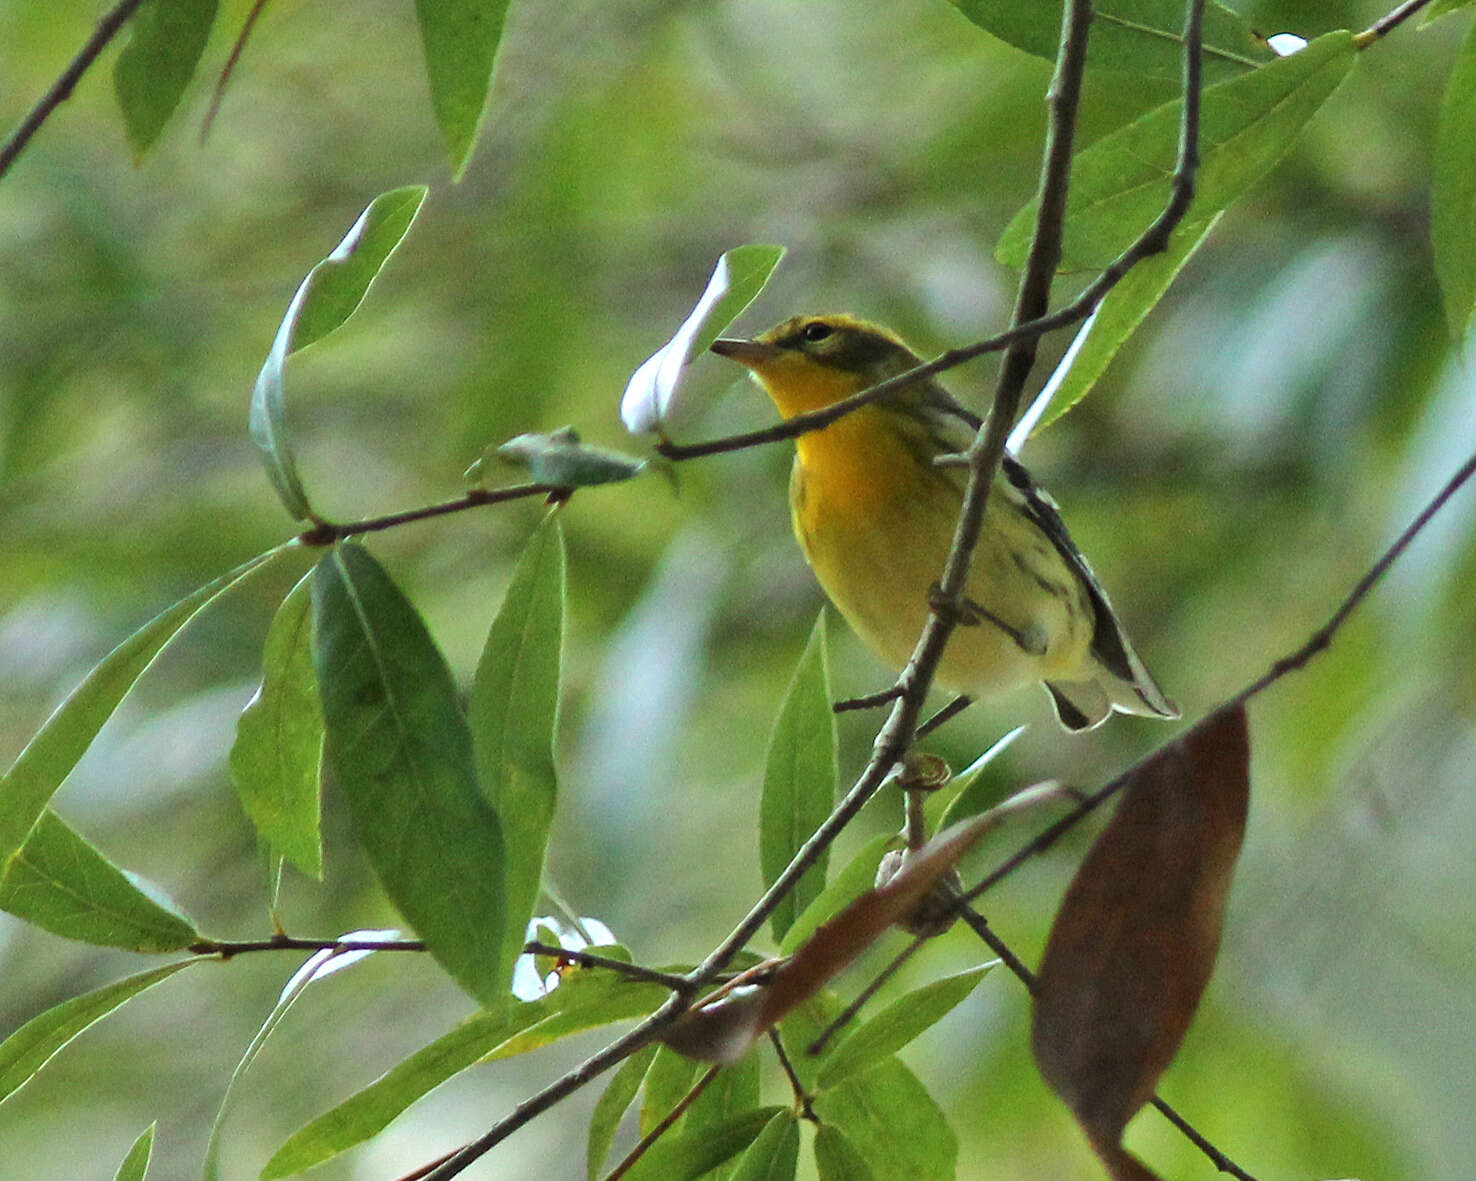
[(1135, 940)]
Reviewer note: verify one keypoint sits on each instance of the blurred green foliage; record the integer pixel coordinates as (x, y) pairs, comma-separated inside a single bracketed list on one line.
[(1276, 421)]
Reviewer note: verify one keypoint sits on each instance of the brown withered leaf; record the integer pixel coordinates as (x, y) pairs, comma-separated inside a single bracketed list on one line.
[(1135, 941), (724, 1027)]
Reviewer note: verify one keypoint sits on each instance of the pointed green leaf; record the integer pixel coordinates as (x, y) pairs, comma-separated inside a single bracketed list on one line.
[(689, 1155), (1443, 8), (166, 39), (50, 756), (894, 1123), (613, 1103), (1142, 37), (1453, 198), (60, 882), (32, 1046), (886, 1114), (844, 888), (320, 964), (650, 396), (670, 1078), (460, 39), (135, 1166), (971, 790), (513, 714), (836, 1158), (735, 1090), (799, 779), (331, 293), (584, 1001), (895, 1026), (1117, 317), (398, 748), (1121, 183), (774, 1156), (276, 761)]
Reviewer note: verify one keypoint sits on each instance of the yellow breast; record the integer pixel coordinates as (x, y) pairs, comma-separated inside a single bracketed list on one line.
[(876, 523)]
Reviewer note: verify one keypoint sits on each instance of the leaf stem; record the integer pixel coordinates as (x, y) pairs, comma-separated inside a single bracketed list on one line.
[(1390, 21), (327, 533)]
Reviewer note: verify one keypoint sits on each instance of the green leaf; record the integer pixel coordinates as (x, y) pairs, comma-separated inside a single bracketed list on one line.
[(399, 749), (135, 1166), (836, 1158), (32, 1046), (893, 1122), (1443, 8), (897, 1025), (1453, 198), (1141, 37), (166, 39), (886, 1114), (689, 1155), (559, 458), (650, 397), (735, 1090), (460, 38), (799, 779), (331, 293), (1117, 317), (513, 714), (50, 756), (670, 1078), (60, 882), (276, 761), (970, 791), (774, 1155), (587, 999), (317, 966), (844, 888), (1121, 183), (613, 1103)]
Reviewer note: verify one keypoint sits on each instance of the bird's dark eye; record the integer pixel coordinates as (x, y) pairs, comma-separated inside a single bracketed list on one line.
[(816, 331)]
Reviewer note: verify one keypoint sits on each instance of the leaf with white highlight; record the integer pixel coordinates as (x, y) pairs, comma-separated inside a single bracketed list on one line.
[(740, 275)]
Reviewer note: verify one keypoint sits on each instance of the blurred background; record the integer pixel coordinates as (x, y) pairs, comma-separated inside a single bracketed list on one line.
[(1280, 417)]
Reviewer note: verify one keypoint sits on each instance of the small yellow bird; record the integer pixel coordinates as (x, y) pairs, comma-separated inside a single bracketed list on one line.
[(875, 515)]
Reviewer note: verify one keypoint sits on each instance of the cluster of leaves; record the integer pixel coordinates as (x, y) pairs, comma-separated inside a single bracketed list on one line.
[(453, 803)]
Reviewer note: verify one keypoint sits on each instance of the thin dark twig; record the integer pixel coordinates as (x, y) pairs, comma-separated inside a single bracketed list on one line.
[(62, 88), (1322, 637), (873, 986), (227, 949), (326, 533), (1389, 21), (229, 68), (558, 1090), (867, 701), (946, 714), (663, 1127), (591, 959), (803, 1097)]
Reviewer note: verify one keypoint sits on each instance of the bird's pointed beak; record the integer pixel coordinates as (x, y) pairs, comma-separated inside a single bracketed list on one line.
[(753, 354)]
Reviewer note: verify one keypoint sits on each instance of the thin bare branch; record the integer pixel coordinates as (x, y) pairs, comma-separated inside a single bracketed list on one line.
[(228, 949), (590, 959), (1323, 636), (61, 90), (326, 533), (664, 1126)]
